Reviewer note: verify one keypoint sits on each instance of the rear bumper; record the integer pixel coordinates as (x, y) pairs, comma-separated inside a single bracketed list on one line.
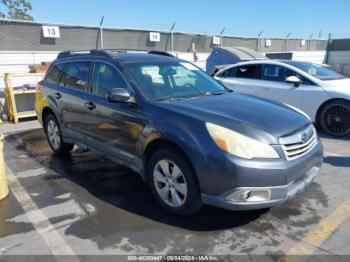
[(302, 171)]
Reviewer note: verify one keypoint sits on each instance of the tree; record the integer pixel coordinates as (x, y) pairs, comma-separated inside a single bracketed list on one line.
[(17, 10)]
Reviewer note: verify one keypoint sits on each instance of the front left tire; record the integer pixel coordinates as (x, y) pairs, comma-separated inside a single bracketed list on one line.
[(173, 182)]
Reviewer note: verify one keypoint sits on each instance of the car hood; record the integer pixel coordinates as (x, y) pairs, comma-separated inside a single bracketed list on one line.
[(261, 119), (341, 86)]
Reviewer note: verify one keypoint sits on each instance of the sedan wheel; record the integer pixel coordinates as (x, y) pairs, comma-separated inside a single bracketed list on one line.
[(170, 183), (335, 119)]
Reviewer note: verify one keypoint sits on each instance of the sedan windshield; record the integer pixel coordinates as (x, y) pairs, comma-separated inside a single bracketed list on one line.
[(172, 81), (318, 71)]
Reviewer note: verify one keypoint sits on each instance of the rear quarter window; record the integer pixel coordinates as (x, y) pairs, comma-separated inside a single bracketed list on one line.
[(54, 73)]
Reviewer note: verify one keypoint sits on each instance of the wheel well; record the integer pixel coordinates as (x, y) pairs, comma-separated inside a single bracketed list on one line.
[(47, 111), (155, 145), (317, 120)]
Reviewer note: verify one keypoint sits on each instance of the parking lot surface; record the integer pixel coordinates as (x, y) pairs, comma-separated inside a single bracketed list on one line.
[(86, 205)]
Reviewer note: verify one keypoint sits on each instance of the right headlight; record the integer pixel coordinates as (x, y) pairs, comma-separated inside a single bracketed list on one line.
[(240, 145)]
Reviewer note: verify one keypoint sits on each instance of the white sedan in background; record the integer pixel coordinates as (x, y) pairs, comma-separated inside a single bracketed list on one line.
[(323, 94)]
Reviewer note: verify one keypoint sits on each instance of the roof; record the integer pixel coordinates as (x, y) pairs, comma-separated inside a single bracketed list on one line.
[(242, 53), (144, 57), (121, 56)]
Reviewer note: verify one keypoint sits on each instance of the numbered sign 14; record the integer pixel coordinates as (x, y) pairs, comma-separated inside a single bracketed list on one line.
[(51, 31), (154, 36)]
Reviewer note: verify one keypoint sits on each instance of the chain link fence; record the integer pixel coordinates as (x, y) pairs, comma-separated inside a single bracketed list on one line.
[(28, 36)]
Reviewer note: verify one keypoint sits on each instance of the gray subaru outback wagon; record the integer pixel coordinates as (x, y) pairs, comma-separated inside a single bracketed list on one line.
[(193, 141)]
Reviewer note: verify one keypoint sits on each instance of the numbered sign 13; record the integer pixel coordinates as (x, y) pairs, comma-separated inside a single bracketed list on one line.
[(51, 31)]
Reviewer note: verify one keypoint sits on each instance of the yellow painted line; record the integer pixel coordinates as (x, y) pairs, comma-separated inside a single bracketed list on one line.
[(321, 232)]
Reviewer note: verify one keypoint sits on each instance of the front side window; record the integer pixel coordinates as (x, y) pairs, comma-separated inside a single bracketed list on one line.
[(249, 71), (53, 75), (173, 80), (76, 75), (105, 77), (302, 78)]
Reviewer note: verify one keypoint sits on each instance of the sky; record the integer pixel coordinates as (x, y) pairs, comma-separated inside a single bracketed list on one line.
[(276, 18)]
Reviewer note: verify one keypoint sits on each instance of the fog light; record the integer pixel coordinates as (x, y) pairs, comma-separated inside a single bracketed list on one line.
[(250, 195)]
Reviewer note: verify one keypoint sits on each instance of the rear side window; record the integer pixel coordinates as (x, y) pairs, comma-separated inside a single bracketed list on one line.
[(249, 71), (76, 75), (274, 73), (231, 72), (53, 75), (105, 78)]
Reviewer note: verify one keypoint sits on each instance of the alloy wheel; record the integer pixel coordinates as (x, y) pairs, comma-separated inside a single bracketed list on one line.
[(336, 119), (170, 183), (53, 134)]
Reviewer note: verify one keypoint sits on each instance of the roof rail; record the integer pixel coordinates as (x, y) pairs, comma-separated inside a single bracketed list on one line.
[(155, 52), (95, 52)]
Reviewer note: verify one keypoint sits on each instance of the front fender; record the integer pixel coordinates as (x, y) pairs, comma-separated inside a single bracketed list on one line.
[(185, 138)]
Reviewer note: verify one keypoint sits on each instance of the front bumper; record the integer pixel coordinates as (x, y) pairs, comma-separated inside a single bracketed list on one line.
[(281, 183)]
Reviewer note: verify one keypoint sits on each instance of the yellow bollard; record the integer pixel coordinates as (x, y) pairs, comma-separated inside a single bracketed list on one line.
[(4, 190)]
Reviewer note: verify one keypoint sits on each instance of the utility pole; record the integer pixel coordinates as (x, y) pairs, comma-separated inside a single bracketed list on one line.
[(221, 33), (101, 31), (172, 37)]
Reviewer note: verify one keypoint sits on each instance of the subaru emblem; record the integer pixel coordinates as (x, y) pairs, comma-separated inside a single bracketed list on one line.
[(304, 137)]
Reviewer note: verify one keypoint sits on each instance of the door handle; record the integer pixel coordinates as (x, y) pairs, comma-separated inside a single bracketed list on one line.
[(58, 95), (90, 105)]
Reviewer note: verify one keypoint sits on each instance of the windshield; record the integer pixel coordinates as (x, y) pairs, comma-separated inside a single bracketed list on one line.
[(318, 71), (173, 80)]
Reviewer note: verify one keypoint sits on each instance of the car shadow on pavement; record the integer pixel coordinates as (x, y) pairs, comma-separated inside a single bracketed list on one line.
[(322, 134), (120, 187), (337, 161)]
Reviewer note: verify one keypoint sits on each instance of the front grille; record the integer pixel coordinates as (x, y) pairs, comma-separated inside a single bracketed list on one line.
[(297, 147)]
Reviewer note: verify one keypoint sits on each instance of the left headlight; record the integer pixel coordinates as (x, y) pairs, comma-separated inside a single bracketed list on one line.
[(238, 144)]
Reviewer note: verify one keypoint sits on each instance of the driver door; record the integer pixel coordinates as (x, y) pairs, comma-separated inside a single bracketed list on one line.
[(112, 127), (274, 86)]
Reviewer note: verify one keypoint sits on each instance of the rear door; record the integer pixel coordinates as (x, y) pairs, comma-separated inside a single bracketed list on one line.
[(71, 96), (243, 79)]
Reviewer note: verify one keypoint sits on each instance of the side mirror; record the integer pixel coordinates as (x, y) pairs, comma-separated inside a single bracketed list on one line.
[(293, 80), (118, 95)]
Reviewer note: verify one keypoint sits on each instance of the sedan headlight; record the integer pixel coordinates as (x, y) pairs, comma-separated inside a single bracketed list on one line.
[(240, 145)]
